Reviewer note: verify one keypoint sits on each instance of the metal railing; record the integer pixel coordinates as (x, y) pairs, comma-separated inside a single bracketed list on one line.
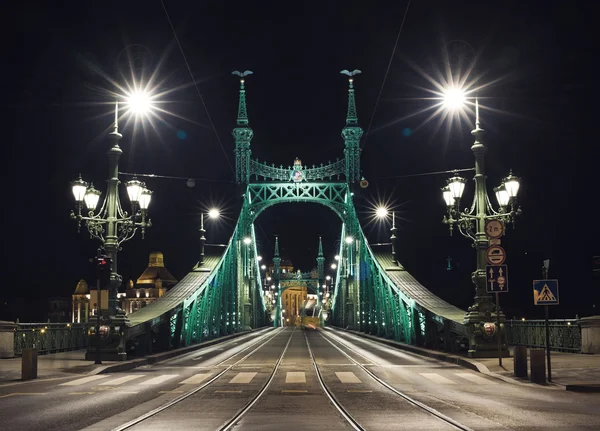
[(565, 334), (50, 337)]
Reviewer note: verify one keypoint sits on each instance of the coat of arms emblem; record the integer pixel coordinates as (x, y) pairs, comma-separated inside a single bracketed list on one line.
[(296, 174)]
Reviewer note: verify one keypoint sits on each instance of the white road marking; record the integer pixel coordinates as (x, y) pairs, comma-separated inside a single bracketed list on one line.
[(84, 380), (437, 378), (122, 380), (347, 377), (195, 379), (295, 377), (243, 378), (476, 379), (158, 380)]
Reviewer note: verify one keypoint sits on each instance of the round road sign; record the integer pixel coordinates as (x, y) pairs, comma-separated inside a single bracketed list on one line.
[(495, 255), (494, 229)]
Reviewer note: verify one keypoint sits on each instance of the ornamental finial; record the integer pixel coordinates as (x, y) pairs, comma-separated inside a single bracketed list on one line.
[(320, 248), (242, 118), (351, 116)]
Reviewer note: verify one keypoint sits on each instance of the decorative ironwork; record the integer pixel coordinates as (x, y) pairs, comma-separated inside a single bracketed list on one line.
[(264, 195), (332, 171), (565, 334), (51, 337)]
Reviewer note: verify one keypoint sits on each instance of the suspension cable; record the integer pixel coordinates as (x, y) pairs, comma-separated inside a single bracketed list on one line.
[(197, 88), (385, 76)]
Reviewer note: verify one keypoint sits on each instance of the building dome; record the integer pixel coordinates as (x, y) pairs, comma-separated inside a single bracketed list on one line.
[(82, 288), (156, 260)]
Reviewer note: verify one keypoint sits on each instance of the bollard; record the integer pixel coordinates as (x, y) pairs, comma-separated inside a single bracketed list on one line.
[(29, 364), (537, 366), (520, 361)]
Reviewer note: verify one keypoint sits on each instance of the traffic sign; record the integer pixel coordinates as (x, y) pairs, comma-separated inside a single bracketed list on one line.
[(495, 255), (495, 241), (496, 278), (494, 228), (545, 292)]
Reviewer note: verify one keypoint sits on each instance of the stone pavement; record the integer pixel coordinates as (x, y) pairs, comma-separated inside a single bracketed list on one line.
[(65, 364), (570, 371)]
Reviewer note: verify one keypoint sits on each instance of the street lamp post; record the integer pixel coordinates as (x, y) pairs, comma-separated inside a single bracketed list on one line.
[(382, 213), (213, 214), (471, 223), (112, 226)]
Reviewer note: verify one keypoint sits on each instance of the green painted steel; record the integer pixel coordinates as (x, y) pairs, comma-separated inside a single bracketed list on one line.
[(372, 292)]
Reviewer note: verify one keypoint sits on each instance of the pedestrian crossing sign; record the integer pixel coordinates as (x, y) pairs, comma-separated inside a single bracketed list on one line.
[(545, 292)]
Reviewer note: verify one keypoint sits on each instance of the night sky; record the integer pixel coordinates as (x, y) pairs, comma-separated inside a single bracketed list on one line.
[(59, 61)]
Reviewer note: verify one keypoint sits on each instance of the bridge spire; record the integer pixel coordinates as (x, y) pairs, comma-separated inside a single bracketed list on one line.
[(320, 265), (276, 260), (242, 134), (352, 133)]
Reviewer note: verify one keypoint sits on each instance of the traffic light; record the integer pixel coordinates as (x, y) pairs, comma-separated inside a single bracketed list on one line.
[(103, 269)]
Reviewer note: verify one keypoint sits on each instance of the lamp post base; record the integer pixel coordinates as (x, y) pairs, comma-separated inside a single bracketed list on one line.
[(112, 340), (483, 336)]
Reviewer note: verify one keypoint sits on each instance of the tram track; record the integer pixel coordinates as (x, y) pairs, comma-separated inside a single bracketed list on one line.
[(433, 412), (261, 342)]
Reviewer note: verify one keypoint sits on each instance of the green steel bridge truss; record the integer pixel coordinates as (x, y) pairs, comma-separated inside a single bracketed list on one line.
[(223, 294)]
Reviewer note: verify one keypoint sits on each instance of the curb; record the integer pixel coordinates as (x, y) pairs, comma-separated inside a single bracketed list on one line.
[(583, 387), (476, 366), (446, 357), (158, 357)]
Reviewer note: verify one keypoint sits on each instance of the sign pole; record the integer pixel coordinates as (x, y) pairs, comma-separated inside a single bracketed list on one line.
[(499, 336), (545, 268), (98, 299), (548, 345)]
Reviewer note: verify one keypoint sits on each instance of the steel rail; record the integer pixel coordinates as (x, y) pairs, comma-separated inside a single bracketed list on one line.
[(340, 408), (199, 388), (242, 412), (412, 401)]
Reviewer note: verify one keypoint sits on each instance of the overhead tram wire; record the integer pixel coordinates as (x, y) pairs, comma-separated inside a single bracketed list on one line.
[(427, 173), (385, 76), (171, 177), (197, 88)]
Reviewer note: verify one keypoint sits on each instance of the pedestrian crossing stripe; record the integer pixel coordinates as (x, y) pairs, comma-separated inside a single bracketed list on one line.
[(292, 377)]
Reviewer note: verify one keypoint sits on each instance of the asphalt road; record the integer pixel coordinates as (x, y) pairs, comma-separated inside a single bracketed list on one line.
[(294, 398)]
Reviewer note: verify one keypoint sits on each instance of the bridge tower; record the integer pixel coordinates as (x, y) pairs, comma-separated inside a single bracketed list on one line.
[(242, 135), (352, 133)]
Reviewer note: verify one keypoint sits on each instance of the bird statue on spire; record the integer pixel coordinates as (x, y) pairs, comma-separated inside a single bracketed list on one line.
[(350, 74), (242, 74)]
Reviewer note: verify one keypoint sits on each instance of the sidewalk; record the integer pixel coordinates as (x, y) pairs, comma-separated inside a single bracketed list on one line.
[(65, 364), (570, 371)]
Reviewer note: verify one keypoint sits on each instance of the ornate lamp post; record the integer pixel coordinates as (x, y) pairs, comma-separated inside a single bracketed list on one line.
[(112, 226), (471, 223)]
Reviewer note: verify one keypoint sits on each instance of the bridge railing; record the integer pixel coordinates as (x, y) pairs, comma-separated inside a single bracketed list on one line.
[(565, 334), (50, 337)]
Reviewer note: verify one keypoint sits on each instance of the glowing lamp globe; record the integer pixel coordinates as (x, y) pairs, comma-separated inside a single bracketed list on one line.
[(145, 198), (139, 102), (454, 98), (381, 212), (91, 198), (79, 187)]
